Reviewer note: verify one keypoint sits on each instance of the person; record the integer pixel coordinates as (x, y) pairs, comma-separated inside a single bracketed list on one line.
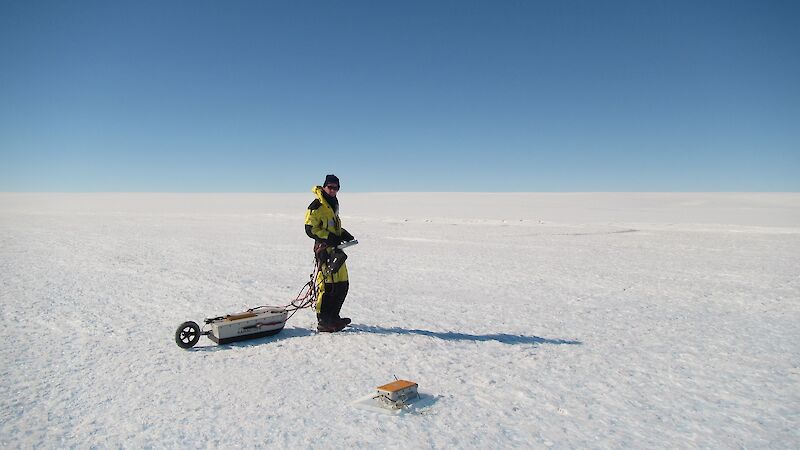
[(324, 226)]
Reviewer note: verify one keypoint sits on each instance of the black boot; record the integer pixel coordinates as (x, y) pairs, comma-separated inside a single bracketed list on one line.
[(329, 327), (323, 325), (327, 321), (343, 320)]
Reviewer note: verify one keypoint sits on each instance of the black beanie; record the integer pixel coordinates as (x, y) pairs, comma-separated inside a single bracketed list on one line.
[(331, 179)]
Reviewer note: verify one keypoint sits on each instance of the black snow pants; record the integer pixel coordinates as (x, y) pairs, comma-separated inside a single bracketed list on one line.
[(332, 301)]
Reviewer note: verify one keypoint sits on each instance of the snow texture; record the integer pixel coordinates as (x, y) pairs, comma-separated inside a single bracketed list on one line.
[(532, 320)]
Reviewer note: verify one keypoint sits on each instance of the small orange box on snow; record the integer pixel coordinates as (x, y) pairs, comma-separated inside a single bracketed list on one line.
[(400, 389)]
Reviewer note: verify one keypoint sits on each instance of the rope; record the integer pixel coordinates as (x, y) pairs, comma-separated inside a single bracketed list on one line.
[(307, 295), (304, 299)]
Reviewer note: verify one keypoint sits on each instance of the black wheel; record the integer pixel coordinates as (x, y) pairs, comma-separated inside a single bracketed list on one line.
[(187, 335)]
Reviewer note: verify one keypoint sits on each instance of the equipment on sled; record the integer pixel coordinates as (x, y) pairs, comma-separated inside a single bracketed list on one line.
[(255, 322), (250, 324)]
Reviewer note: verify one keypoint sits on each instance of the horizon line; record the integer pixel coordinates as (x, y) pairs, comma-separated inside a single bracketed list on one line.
[(390, 192)]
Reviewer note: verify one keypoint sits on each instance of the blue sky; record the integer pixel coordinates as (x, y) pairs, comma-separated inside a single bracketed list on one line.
[(263, 96)]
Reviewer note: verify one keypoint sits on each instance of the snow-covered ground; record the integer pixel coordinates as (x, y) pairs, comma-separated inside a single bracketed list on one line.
[(564, 320)]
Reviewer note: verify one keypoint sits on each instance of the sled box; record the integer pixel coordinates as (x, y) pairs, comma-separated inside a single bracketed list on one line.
[(247, 325), (398, 390)]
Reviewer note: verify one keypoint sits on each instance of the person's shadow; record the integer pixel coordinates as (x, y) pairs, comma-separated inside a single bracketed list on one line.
[(504, 338), (289, 333)]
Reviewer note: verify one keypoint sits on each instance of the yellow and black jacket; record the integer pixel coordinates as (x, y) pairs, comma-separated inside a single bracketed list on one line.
[(323, 225)]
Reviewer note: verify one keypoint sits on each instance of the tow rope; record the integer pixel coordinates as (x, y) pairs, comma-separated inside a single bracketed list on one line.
[(304, 299)]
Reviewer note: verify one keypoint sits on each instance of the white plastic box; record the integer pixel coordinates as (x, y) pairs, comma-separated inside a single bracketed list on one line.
[(248, 325)]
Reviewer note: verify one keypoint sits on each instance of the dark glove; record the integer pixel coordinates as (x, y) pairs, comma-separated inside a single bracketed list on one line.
[(333, 240), (346, 236)]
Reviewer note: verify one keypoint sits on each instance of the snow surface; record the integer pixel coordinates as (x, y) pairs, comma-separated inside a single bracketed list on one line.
[(533, 320)]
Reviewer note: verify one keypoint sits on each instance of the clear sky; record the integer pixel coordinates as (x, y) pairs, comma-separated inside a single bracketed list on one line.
[(269, 96)]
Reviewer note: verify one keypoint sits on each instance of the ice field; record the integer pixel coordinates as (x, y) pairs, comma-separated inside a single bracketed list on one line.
[(532, 320)]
